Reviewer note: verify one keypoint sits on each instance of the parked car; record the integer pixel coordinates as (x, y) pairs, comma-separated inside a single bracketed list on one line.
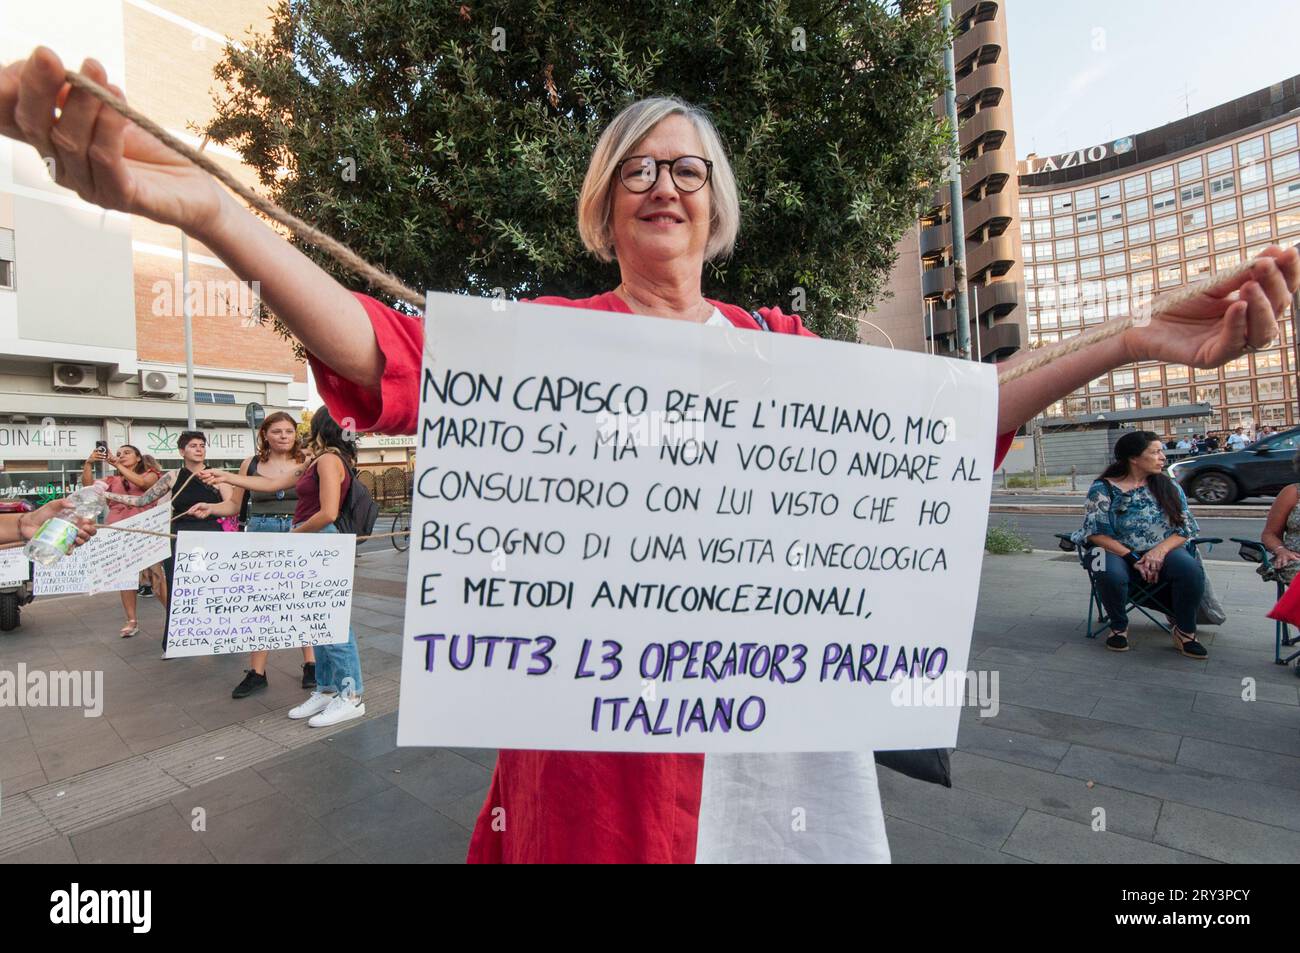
[(1261, 469)]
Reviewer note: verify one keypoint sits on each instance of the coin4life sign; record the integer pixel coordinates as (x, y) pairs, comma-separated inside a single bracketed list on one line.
[(631, 534)]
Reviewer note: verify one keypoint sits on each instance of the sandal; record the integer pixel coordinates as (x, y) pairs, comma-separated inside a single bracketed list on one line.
[(1118, 641), (1187, 644), (131, 628)]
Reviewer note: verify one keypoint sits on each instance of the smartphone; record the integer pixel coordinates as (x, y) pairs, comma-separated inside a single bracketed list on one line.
[(102, 447)]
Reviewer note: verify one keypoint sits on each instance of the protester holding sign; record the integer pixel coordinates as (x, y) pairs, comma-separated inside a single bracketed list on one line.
[(660, 199), (278, 455), (133, 478), (320, 486)]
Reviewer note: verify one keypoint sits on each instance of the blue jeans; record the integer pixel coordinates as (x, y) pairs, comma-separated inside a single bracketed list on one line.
[(1181, 596), (338, 666), (269, 524)]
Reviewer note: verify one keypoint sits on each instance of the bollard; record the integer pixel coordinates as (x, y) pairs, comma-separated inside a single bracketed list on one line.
[(1004, 478), (1035, 478), (1074, 472)]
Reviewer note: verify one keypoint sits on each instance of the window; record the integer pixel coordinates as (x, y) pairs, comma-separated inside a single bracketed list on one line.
[(1207, 394), (1239, 392), (1176, 374), (1111, 216), (1253, 202), (1224, 211), (1227, 261), (1125, 401), (1268, 362), (1044, 274), (1065, 248), (1195, 244), (1139, 208), (1258, 228), (1190, 169), (1179, 395), (1284, 138), (1271, 388), (1140, 282), (1286, 166), (1222, 185), (1197, 267), (1167, 251), (1088, 244), (1047, 318), (1114, 263), (1166, 226), (1192, 194), (1286, 193), (1165, 201), (7, 258), (1161, 178), (1076, 405), (1040, 206), (1069, 317), (1027, 251), (1024, 208), (1090, 266), (1226, 237), (1171, 275), (1047, 296), (1113, 239), (1219, 159), (1099, 405), (1139, 233), (1085, 198), (1252, 174), (1152, 398), (1135, 185), (1254, 251), (1061, 203), (1149, 376), (1043, 251), (1238, 368), (1140, 257), (1250, 149), (1108, 192), (1066, 271), (1031, 296), (1087, 221), (1288, 222), (1207, 373), (1273, 414), (1042, 228), (1123, 380)]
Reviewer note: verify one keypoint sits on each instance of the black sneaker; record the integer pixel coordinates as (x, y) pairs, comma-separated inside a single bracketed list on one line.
[(252, 683), (308, 675), (146, 591), (1118, 642)]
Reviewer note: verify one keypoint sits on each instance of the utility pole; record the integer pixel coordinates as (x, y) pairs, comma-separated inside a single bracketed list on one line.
[(956, 214)]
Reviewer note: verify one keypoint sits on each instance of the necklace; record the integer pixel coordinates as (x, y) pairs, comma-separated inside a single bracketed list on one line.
[(633, 299)]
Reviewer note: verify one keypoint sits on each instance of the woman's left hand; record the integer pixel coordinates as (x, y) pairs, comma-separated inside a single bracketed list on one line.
[(1150, 565), (1216, 326)]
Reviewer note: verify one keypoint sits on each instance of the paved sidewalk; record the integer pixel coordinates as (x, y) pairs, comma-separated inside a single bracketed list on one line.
[(1184, 769)]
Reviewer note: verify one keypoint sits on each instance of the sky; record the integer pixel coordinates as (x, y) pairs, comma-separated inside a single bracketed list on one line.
[(1089, 71)]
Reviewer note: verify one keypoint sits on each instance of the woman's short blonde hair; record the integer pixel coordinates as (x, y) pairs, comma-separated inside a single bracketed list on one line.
[(617, 141)]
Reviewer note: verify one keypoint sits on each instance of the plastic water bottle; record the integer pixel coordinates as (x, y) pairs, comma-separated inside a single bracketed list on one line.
[(58, 535)]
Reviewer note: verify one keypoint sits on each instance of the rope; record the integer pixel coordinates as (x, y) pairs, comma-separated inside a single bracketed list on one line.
[(345, 256), (154, 532)]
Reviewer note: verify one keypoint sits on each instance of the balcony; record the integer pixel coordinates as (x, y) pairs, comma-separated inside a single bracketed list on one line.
[(989, 76), (984, 33), (997, 300), (1000, 341), (937, 280), (993, 257)]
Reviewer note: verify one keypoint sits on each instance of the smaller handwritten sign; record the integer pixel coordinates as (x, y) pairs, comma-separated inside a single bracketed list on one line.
[(252, 592), (15, 568), (111, 559)]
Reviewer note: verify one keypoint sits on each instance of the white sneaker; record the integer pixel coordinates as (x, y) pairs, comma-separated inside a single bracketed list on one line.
[(340, 709), (315, 703)]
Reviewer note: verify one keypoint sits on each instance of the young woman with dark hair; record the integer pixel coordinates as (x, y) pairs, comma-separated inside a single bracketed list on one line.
[(133, 478), (321, 486), (1139, 517)]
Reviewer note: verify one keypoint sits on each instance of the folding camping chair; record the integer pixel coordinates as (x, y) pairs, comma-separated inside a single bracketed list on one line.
[(1253, 551), (1141, 595)]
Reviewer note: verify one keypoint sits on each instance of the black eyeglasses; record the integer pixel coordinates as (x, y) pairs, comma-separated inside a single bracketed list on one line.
[(640, 173)]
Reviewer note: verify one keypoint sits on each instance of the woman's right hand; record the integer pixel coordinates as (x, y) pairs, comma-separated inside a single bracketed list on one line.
[(214, 477), (98, 153)]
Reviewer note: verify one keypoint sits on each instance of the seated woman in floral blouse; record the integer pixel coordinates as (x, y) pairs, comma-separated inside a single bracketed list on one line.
[(1139, 518)]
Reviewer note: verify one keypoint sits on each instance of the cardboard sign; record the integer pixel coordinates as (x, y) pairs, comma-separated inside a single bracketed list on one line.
[(15, 568), (633, 534), (250, 592)]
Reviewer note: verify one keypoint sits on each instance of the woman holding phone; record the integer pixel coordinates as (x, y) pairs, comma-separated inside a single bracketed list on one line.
[(133, 478)]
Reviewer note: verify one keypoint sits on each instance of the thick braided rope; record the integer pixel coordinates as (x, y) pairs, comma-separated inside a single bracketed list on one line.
[(335, 249), (386, 282)]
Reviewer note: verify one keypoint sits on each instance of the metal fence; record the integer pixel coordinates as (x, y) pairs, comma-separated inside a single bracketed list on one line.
[(391, 488)]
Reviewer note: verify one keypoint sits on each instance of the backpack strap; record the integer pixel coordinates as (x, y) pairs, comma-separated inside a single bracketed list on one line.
[(760, 321)]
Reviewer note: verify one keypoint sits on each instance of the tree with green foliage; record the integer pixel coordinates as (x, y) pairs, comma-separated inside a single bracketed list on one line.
[(447, 142)]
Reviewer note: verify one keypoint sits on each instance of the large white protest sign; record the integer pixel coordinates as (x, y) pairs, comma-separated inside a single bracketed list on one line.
[(250, 592), (111, 559), (15, 567), (645, 535)]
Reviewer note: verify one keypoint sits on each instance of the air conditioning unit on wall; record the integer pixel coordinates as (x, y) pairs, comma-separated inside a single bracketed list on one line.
[(159, 383), (76, 377)]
